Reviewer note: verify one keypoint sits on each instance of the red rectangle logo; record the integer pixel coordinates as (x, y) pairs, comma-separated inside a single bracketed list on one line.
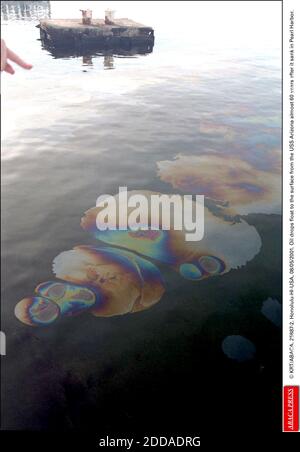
[(291, 408)]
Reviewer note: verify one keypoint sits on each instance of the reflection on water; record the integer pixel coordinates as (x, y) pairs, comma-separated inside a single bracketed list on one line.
[(110, 58), (108, 62), (189, 118)]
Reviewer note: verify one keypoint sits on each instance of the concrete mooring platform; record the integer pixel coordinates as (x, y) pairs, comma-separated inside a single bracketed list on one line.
[(96, 34)]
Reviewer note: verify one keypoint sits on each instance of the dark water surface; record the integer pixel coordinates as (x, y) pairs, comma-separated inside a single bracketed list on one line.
[(76, 128)]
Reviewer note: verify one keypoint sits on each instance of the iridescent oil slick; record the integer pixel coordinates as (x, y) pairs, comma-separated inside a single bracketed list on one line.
[(103, 281), (127, 283), (226, 179), (124, 329), (216, 253), (72, 299), (37, 311), (114, 281)]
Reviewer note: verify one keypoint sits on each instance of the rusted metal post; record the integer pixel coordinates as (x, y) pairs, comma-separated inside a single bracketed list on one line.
[(86, 16), (109, 17)]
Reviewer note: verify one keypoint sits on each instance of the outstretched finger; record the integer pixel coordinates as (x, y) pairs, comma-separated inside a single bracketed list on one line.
[(8, 68), (3, 55), (14, 57)]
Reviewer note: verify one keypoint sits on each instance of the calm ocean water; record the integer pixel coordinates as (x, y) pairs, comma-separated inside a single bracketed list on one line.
[(74, 128)]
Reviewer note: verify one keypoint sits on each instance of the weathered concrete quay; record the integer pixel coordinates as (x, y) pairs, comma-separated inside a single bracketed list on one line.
[(96, 34)]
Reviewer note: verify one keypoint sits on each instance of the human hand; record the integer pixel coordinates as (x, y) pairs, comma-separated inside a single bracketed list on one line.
[(7, 54)]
